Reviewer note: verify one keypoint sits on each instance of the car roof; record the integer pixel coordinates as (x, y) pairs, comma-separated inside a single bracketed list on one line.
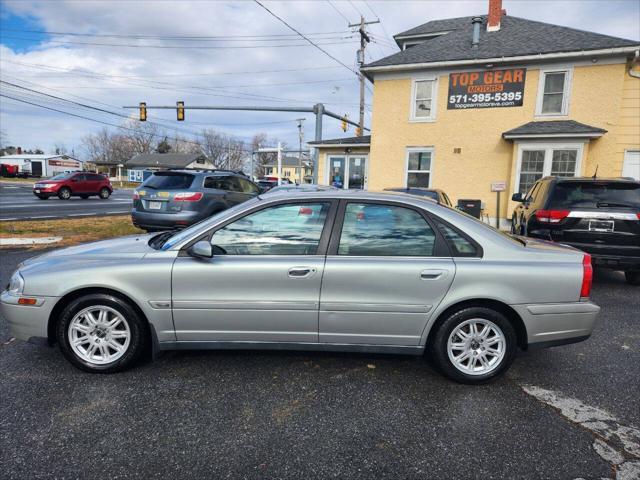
[(592, 179), (352, 195), (203, 172)]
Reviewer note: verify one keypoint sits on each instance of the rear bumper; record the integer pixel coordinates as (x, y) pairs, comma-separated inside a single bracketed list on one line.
[(27, 322), (165, 221), (551, 324)]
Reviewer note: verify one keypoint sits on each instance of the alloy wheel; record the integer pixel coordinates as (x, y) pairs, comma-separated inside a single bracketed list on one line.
[(476, 346), (99, 335)]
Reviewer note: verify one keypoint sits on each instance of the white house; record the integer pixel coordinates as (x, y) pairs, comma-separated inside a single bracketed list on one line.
[(42, 165)]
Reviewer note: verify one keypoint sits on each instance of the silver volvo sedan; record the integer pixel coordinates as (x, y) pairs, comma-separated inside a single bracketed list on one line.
[(333, 270)]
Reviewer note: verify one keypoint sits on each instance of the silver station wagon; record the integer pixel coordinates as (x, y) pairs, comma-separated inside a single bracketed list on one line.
[(333, 270)]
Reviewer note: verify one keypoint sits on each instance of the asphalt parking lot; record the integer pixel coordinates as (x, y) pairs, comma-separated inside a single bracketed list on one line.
[(564, 413), (17, 202)]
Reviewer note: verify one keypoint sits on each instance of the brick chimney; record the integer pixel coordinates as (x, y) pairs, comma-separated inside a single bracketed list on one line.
[(495, 14)]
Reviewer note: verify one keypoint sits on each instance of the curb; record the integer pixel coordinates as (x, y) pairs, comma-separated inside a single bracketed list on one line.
[(28, 241)]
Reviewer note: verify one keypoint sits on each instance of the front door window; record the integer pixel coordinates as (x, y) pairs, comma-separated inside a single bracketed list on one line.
[(348, 172)]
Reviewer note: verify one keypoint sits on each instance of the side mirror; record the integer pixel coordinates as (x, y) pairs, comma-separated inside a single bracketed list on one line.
[(517, 197), (201, 249)]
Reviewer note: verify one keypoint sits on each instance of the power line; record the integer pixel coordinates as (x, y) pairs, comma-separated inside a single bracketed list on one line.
[(173, 37), (338, 11), (180, 47), (306, 38), (384, 30)]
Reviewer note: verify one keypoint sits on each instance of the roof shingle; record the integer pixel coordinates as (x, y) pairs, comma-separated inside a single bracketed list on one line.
[(554, 128), (363, 140), (517, 36)]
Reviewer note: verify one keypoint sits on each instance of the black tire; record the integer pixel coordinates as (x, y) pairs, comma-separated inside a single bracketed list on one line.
[(104, 193), (439, 344), (64, 193), (84, 197), (138, 330), (632, 277)]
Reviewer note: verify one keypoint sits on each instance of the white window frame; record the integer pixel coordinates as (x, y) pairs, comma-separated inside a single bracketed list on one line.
[(347, 157), (548, 148), (406, 164), (566, 97), (434, 99)]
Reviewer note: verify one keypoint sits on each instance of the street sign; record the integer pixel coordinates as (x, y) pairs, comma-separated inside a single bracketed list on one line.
[(498, 186)]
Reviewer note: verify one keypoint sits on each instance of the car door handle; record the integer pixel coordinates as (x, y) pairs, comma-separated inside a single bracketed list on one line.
[(432, 274), (301, 272)]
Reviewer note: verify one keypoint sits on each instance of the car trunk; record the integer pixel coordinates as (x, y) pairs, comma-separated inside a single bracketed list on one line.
[(598, 217)]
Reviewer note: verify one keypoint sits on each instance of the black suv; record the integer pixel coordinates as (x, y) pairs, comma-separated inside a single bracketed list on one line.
[(178, 198), (600, 216)]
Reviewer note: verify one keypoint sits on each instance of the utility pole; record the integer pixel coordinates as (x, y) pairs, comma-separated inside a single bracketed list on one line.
[(279, 164), (364, 39), (300, 140)]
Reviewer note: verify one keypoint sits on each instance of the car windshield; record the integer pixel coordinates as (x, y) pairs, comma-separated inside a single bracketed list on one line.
[(63, 176), (169, 181), (594, 194)]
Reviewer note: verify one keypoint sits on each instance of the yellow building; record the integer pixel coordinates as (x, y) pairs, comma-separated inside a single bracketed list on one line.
[(291, 170), (475, 104)]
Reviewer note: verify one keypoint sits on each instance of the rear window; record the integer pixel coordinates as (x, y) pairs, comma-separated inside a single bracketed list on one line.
[(169, 181), (568, 195)]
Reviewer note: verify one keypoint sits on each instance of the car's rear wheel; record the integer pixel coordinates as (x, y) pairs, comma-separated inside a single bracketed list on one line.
[(474, 345), (64, 193), (101, 333), (104, 193), (632, 277)]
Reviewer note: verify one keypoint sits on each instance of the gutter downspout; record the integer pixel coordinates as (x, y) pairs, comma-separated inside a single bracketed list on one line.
[(636, 59)]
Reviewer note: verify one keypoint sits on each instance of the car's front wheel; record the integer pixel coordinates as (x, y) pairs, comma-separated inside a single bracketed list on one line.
[(101, 333), (64, 193), (104, 193), (632, 277), (474, 345)]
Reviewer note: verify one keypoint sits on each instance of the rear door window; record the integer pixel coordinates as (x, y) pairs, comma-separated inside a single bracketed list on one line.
[(169, 181), (385, 231), (575, 195)]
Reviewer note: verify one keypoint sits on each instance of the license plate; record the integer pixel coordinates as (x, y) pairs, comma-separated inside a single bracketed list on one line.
[(37, 191), (154, 205), (601, 225)]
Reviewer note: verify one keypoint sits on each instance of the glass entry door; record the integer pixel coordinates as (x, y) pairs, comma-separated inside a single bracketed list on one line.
[(348, 172)]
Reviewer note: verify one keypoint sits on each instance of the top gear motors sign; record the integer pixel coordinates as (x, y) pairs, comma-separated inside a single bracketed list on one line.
[(488, 89)]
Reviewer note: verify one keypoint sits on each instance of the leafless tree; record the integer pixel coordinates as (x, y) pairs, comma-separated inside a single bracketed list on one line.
[(224, 151), (60, 148), (259, 141)]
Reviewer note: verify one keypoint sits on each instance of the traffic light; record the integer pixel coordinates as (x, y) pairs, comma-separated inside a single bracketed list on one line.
[(180, 111), (143, 112), (345, 125)]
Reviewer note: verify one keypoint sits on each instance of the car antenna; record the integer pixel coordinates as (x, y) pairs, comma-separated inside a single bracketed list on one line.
[(595, 173)]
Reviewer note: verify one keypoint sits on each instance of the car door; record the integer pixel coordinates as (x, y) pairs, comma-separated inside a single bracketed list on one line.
[(79, 183), (245, 190), (263, 282), (386, 272)]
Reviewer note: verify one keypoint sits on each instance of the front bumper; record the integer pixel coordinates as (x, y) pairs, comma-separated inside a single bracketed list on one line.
[(45, 191), (165, 220), (551, 324), (27, 322)]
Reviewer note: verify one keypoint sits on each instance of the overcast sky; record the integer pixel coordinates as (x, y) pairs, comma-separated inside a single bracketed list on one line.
[(114, 53)]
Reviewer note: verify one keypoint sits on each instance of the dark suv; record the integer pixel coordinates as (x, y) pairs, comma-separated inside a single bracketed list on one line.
[(600, 216), (179, 198)]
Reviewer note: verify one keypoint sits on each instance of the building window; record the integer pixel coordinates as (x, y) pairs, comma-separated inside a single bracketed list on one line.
[(553, 93), (287, 173), (541, 160), (423, 98), (419, 168)]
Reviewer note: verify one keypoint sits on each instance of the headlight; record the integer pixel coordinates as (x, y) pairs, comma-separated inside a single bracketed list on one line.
[(16, 283), (46, 185)]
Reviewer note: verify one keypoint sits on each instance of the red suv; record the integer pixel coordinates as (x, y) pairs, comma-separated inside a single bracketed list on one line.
[(74, 184)]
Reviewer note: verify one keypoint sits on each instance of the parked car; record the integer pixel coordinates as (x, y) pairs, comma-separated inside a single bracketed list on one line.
[(303, 187), (266, 185), (178, 198), (435, 193), (600, 216), (310, 271), (74, 184)]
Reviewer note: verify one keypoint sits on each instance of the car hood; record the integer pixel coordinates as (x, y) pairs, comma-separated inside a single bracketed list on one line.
[(133, 246)]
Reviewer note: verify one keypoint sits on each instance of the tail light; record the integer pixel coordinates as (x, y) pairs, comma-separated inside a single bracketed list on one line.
[(587, 276), (551, 216), (638, 215), (187, 196)]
